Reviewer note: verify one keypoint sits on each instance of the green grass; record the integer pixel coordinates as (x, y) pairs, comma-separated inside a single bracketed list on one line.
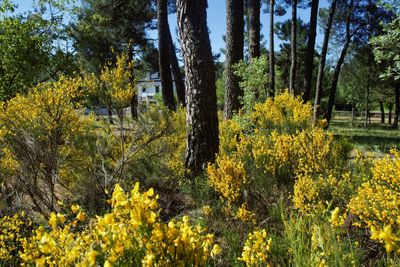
[(376, 137)]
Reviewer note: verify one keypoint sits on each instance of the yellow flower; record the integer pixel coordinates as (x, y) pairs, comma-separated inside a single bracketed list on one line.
[(216, 250), (92, 257), (81, 216), (75, 208)]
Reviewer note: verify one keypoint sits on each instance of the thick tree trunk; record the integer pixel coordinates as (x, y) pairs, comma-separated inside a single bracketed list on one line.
[(309, 59), (396, 105), (382, 111), (254, 21), (321, 68), (164, 54), (234, 53), (390, 106), (292, 81), (201, 112), (271, 48), (176, 72)]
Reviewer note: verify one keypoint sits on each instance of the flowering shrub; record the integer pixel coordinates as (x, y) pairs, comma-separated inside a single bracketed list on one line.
[(377, 202), (115, 87), (256, 248), (12, 231), (285, 113), (43, 138), (131, 233), (227, 176), (273, 146)]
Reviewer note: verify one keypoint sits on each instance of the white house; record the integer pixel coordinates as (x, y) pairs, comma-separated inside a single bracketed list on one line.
[(149, 86)]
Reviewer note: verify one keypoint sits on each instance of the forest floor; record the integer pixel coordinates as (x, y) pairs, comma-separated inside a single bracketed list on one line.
[(378, 138)]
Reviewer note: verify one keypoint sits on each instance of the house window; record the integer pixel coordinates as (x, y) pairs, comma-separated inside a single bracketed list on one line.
[(157, 89), (143, 90)]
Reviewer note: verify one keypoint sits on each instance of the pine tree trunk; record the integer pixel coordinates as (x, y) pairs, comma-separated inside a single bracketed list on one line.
[(254, 30), (201, 112), (234, 53), (309, 58), (336, 73), (164, 54), (271, 48), (396, 105), (335, 79), (382, 111), (390, 113), (321, 68), (292, 81), (176, 72)]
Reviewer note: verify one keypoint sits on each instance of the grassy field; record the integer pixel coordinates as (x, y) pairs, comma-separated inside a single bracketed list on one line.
[(377, 137)]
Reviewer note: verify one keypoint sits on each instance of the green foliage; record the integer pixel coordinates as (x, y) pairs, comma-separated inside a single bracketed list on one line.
[(254, 82), (386, 49), (24, 53)]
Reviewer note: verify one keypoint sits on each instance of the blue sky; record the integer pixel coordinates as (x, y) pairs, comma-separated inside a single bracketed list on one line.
[(217, 22)]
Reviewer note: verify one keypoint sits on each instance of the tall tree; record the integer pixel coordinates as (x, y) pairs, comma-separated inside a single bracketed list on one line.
[(271, 48), (386, 50), (362, 20), (292, 82), (283, 58), (176, 72), (336, 72), (201, 113), (234, 53), (164, 54), (254, 8), (105, 28), (309, 59), (321, 68)]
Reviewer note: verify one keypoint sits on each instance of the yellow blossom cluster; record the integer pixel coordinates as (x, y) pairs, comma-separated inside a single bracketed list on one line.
[(245, 215), (284, 113), (227, 176), (256, 249), (131, 233), (115, 85), (11, 235), (377, 202), (175, 145), (272, 146), (302, 152), (313, 193)]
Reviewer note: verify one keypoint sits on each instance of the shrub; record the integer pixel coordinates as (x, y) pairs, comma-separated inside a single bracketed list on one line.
[(43, 139), (270, 149), (377, 202), (131, 233)]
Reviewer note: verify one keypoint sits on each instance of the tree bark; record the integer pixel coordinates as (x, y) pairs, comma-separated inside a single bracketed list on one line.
[(336, 73), (254, 21), (271, 48), (201, 112), (396, 105), (309, 59), (176, 72), (390, 113), (164, 54), (335, 79), (382, 111), (292, 81), (234, 53), (321, 68)]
